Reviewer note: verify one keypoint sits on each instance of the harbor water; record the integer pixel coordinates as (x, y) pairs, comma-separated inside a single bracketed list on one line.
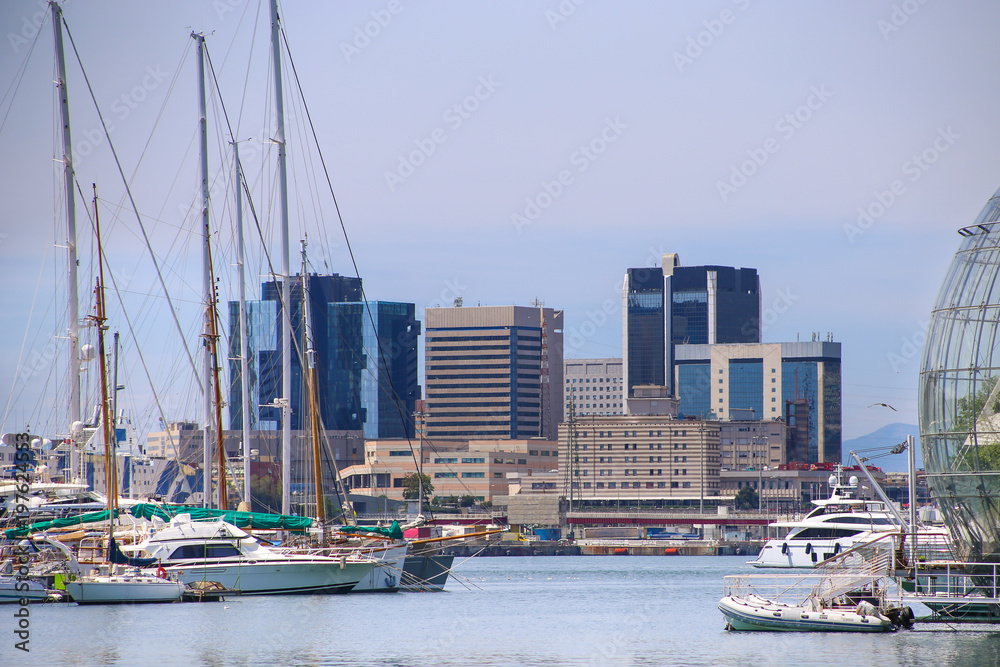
[(601, 610)]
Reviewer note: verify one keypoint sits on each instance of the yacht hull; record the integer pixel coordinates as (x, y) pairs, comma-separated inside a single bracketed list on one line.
[(426, 573), (124, 590), (277, 578)]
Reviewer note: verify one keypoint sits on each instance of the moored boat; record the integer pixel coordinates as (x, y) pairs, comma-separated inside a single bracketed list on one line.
[(756, 613), (127, 587)]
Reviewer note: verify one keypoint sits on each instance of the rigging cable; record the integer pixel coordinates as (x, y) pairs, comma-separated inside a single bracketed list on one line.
[(135, 208)]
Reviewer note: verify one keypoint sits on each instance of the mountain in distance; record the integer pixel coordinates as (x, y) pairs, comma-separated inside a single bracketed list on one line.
[(887, 436)]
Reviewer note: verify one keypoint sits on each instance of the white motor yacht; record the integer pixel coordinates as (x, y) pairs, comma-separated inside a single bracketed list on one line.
[(218, 551), (838, 523)]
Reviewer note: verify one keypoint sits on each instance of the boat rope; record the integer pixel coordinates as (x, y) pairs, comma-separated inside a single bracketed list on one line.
[(19, 75), (135, 208)]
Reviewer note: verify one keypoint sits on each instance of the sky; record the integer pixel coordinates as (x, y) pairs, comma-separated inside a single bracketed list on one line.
[(500, 152)]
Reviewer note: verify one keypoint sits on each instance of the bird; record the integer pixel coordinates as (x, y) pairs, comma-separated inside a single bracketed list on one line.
[(884, 405)]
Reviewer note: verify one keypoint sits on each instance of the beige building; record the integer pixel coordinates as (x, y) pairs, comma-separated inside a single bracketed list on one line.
[(647, 454), (593, 386), (748, 444), (493, 372), (480, 468)]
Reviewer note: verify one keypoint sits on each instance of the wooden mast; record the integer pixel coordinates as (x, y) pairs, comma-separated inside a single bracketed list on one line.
[(110, 463), (314, 416), (213, 342)]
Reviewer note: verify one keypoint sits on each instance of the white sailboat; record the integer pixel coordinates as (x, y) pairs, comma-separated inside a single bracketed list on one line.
[(114, 584)]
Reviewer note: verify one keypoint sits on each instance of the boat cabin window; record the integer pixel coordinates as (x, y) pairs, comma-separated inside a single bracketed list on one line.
[(825, 533), (203, 551), (866, 520)]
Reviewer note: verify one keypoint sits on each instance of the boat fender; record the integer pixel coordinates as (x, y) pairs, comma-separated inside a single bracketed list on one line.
[(906, 618), (809, 548), (161, 573), (784, 548), (343, 562)]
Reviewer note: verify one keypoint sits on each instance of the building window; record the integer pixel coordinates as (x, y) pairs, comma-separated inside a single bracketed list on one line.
[(473, 474), (445, 474)]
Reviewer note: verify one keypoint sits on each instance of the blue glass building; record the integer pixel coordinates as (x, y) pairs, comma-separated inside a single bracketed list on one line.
[(775, 381), (366, 364)]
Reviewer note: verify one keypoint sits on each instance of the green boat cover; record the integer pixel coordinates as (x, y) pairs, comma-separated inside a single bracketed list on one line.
[(38, 526), (257, 520), (393, 531)]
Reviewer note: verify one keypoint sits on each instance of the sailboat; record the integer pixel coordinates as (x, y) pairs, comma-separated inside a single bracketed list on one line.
[(114, 584)]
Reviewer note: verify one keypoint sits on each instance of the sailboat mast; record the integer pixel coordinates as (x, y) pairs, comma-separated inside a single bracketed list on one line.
[(244, 350), (286, 292), (99, 319), (207, 290), (314, 417), (68, 177)]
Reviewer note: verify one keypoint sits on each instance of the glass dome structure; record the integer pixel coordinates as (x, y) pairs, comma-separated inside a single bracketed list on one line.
[(959, 392)]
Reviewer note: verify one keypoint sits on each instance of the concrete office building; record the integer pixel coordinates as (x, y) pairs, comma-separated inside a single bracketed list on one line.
[(799, 383), (646, 454), (593, 387), (493, 372), (749, 444), (674, 304)]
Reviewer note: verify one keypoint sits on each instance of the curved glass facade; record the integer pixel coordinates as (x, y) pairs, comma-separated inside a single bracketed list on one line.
[(959, 393)]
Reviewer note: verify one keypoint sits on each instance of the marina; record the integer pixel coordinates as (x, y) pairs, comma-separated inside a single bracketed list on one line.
[(205, 474), (498, 611)]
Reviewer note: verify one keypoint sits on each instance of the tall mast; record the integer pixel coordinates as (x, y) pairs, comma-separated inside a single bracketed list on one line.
[(286, 292), (68, 177), (110, 467), (213, 343), (314, 417), (207, 289), (244, 351)]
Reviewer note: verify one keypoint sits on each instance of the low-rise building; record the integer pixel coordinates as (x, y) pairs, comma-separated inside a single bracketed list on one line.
[(593, 386), (456, 468)]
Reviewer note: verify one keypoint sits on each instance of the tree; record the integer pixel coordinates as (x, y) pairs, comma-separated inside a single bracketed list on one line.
[(411, 486), (746, 498)]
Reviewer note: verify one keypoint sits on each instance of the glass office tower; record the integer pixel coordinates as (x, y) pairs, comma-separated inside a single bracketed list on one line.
[(959, 393)]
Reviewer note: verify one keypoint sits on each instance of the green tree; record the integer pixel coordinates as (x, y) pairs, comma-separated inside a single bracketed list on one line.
[(746, 498), (411, 486)]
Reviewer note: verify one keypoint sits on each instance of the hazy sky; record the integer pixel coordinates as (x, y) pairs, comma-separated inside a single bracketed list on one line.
[(507, 151)]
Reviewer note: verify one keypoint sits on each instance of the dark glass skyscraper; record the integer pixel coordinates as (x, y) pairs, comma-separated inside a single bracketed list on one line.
[(674, 304), (361, 376)]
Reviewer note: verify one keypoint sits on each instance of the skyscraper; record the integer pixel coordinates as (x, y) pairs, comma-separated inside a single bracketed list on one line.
[(365, 365), (493, 372), (674, 304)]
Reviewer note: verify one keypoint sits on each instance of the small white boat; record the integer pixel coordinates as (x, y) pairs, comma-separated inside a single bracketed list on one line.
[(756, 613), (13, 589), (124, 588)]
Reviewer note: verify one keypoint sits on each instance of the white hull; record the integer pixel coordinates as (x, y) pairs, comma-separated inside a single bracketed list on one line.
[(278, 576), (123, 589), (12, 590), (795, 553), (753, 613)]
